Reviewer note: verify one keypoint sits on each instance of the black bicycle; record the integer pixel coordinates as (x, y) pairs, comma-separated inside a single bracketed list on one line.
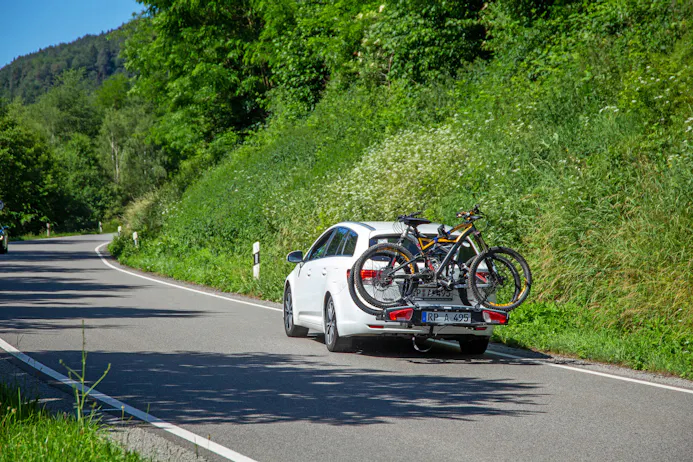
[(388, 274)]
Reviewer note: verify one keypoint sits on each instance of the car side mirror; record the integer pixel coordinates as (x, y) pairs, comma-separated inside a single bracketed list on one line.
[(295, 257)]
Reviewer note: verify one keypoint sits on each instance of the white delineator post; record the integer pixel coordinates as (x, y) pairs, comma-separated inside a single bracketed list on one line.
[(256, 260), (135, 238), (100, 228), (120, 230), (48, 230)]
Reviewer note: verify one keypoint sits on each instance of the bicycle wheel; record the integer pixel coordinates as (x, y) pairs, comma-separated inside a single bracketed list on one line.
[(382, 276), (500, 279), (490, 292)]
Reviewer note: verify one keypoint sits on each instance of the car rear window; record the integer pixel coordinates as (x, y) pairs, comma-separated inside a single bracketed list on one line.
[(408, 243), (466, 252)]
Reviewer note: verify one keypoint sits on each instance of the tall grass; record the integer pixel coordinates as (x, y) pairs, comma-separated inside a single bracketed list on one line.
[(30, 433)]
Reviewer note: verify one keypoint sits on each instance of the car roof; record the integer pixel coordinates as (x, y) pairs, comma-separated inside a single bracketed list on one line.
[(391, 227)]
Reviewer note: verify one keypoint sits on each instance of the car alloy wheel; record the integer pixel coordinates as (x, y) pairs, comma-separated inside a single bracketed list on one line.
[(291, 329), (330, 323), (333, 341), (288, 312)]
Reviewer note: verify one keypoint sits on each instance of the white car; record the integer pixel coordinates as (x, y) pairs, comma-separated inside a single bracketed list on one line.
[(317, 297)]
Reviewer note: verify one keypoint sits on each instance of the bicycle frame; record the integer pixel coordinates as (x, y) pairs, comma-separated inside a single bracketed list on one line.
[(425, 244)]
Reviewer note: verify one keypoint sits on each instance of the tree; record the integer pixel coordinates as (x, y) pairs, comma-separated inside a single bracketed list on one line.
[(86, 190), (67, 108), (136, 165), (190, 58), (27, 176)]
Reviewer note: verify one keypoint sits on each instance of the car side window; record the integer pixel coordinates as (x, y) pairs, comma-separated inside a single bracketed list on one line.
[(320, 247), (349, 244), (336, 242)]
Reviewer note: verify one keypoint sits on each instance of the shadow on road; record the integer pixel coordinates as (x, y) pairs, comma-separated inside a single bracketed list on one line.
[(31, 302), (40, 318), (251, 388), (29, 257), (57, 241)]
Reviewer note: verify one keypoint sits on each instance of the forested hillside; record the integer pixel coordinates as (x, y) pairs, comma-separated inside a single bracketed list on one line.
[(75, 145), (30, 76)]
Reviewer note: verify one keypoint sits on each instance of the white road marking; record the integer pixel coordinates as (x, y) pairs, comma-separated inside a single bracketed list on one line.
[(576, 369), (231, 299), (601, 374), (120, 406)]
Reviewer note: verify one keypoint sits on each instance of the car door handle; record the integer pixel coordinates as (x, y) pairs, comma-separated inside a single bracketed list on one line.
[(324, 271), (308, 273)]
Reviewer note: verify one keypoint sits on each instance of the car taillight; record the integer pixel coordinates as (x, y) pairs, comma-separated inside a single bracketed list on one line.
[(368, 274), (482, 275), (404, 314), (494, 317)]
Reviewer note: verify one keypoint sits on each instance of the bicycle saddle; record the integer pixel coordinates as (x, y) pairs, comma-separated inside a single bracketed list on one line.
[(414, 221)]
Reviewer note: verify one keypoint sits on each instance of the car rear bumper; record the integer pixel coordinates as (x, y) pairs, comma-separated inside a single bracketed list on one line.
[(354, 322)]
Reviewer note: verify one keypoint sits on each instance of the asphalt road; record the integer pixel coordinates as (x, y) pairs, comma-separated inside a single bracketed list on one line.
[(225, 370)]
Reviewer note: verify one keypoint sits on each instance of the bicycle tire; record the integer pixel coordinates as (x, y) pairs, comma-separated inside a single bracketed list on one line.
[(385, 251), (504, 255), (465, 294)]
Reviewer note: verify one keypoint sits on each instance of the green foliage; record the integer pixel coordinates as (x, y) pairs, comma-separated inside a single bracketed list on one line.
[(420, 40), (96, 155), (27, 175), (189, 57), (135, 165), (113, 93), (66, 109), (86, 192)]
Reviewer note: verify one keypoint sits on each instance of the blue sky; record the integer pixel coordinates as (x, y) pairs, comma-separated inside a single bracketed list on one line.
[(28, 25)]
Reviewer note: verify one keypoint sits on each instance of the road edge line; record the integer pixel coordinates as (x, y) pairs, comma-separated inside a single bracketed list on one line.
[(542, 362), (189, 289), (589, 371), (198, 440)]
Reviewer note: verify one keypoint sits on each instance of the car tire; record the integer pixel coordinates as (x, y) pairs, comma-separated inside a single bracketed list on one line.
[(473, 345), (291, 329), (3, 249), (333, 341)]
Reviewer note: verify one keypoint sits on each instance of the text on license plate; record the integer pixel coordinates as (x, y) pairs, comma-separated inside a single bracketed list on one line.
[(441, 317), (433, 294)]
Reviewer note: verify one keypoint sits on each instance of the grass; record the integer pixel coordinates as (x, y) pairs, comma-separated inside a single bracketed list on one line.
[(566, 329), (28, 432)]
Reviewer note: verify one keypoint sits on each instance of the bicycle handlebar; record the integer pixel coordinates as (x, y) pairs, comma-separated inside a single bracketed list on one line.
[(471, 215)]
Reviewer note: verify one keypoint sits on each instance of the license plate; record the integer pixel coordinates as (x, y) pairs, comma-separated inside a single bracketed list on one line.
[(442, 317), (433, 294)]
